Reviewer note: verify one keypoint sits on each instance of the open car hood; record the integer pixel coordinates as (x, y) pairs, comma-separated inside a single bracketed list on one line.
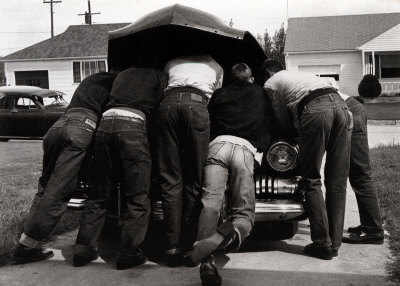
[(174, 31), (179, 15)]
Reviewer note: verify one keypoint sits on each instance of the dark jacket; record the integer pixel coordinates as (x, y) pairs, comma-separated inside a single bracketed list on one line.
[(139, 88), (93, 92), (241, 109)]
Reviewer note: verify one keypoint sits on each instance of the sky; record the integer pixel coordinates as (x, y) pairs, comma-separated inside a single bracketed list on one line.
[(26, 22)]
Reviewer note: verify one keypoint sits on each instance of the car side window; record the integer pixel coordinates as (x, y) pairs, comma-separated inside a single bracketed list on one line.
[(26, 103), (4, 102)]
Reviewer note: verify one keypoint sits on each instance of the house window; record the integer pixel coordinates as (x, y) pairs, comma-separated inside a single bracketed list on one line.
[(77, 72), (83, 69), (390, 66)]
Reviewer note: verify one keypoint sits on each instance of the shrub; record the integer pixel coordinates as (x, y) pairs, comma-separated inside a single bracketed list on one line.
[(369, 86)]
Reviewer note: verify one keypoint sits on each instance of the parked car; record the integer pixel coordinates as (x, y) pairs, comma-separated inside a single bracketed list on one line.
[(279, 202), (27, 112)]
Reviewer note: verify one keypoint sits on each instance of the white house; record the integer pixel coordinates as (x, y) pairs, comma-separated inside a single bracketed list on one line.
[(346, 48), (62, 62)]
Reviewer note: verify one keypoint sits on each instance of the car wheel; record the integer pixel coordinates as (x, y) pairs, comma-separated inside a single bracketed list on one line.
[(275, 230)]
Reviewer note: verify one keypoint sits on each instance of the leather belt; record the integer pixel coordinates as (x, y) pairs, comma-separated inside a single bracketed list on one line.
[(311, 96), (195, 93)]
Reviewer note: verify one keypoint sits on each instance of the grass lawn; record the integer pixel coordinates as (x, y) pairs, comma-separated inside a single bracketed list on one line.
[(21, 164), (386, 171)]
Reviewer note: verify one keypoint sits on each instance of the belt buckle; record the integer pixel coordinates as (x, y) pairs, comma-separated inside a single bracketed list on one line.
[(196, 97)]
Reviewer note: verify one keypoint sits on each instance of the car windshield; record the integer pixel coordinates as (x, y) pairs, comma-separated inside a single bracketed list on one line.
[(56, 100)]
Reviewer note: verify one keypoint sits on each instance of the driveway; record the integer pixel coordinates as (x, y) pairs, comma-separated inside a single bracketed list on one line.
[(265, 263)]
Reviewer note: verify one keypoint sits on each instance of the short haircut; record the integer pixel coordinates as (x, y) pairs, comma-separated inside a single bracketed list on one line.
[(272, 65), (241, 72)]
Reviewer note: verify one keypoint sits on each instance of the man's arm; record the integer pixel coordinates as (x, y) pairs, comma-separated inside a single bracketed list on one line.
[(282, 123)]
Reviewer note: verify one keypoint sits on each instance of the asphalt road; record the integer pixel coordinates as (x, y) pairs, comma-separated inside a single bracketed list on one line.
[(265, 263)]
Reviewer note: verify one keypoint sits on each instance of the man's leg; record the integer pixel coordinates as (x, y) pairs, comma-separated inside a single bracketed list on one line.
[(312, 149), (52, 148), (216, 173), (53, 203), (196, 150), (169, 162), (315, 125), (336, 173), (135, 185), (93, 216), (242, 193), (60, 185)]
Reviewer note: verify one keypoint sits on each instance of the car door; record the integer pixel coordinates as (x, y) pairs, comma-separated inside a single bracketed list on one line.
[(28, 116), (5, 116)]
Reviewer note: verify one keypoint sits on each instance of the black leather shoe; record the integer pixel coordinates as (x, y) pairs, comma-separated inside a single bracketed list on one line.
[(364, 238), (209, 273), (129, 260), (319, 251), (335, 252), (355, 229), (83, 256), (174, 260), (23, 254)]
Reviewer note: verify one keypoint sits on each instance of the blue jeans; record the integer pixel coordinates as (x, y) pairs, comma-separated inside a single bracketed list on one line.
[(64, 148), (360, 171), (325, 126), (121, 154), (182, 151), (230, 165)]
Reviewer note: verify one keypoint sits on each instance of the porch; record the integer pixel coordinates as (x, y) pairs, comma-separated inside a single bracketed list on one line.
[(386, 66)]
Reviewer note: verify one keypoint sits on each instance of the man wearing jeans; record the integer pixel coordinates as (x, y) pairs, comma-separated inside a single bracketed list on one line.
[(323, 122), (121, 154), (182, 146), (239, 127), (64, 148), (370, 230)]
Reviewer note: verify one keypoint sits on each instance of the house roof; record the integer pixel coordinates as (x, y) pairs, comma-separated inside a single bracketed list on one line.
[(335, 33), (387, 41), (76, 41)]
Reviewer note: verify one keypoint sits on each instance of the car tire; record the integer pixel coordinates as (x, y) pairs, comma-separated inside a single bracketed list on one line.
[(275, 230)]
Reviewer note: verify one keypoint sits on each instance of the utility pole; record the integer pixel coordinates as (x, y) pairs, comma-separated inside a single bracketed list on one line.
[(51, 2), (88, 14)]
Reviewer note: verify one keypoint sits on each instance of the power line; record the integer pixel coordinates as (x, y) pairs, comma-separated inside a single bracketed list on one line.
[(51, 2), (88, 14)]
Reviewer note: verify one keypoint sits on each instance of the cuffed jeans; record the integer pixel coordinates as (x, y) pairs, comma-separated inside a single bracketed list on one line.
[(121, 154), (325, 125), (360, 171), (230, 165), (64, 149), (182, 151)]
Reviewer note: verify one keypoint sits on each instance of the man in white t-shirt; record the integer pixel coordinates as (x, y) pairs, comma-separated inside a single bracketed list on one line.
[(183, 146)]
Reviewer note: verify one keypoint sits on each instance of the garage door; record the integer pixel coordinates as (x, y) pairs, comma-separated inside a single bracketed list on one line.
[(33, 78)]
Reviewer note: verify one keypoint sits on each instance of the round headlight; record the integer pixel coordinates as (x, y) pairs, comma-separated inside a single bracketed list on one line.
[(282, 156)]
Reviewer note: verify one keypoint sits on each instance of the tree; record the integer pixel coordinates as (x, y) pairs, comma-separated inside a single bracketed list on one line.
[(274, 48), (279, 45), (267, 45)]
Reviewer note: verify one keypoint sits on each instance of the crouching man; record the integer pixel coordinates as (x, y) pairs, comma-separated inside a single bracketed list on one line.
[(238, 129), (121, 154), (64, 148)]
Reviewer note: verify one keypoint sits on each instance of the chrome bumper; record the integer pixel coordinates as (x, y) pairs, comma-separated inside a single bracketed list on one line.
[(278, 210)]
